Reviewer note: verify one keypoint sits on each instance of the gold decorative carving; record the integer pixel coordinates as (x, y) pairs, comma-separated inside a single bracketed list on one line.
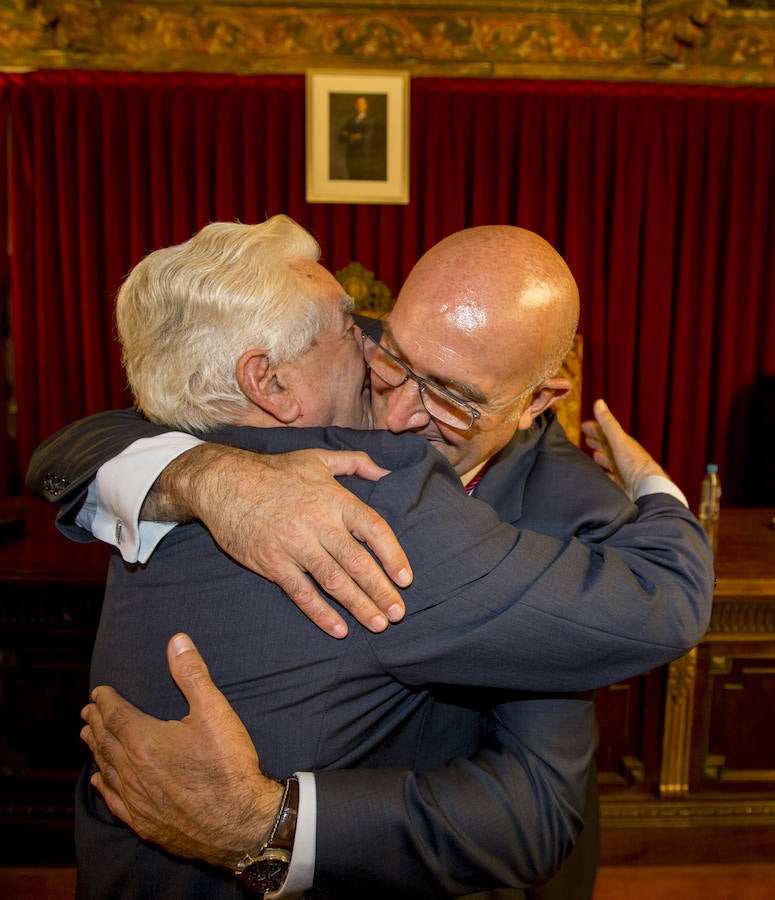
[(372, 297), (714, 769), (686, 813), (647, 40), (568, 409), (713, 766), (672, 32), (752, 618), (677, 736), (720, 665), (633, 769)]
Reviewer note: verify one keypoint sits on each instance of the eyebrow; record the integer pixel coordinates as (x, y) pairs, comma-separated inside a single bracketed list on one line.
[(467, 390)]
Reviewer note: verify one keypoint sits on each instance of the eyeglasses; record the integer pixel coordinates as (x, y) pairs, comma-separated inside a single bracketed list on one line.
[(438, 403)]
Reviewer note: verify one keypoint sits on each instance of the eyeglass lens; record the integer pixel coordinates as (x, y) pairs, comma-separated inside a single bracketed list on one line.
[(438, 404)]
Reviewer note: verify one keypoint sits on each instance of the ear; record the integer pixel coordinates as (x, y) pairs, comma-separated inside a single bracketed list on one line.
[(260, 383), (544, 396)]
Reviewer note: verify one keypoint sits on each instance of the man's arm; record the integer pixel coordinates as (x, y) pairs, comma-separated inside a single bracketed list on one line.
[(280, 516), (507, 817), (63, 466), (340, 806)]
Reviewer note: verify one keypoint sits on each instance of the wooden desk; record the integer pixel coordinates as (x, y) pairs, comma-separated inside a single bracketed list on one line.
[(744, 600), (711, 797), (49, 609)]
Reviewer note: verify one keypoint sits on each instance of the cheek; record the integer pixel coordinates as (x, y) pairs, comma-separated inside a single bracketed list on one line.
[(379, 407)]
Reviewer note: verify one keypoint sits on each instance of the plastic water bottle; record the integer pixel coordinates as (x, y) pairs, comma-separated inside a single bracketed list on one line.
[(710, 504)]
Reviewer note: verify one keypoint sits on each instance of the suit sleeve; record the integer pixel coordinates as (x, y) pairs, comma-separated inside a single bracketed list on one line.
[(493, 606), (507, 817), (62, 467), (597, 614)]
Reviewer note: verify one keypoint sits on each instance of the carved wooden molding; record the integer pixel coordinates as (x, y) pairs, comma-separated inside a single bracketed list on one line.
[(633, 769), (372, 297), (752, 619), (686, 813), (568, 410), (677, 735), (673, 40)]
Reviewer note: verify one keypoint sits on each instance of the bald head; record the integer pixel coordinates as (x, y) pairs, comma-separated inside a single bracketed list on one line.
[(498, 291), (488, 315)]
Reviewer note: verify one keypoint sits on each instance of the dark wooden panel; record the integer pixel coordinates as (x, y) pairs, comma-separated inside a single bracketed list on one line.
[(629, 719), (734, 729), (51, 598)]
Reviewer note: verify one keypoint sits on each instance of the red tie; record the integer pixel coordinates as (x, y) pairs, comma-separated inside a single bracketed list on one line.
[(471, 486)]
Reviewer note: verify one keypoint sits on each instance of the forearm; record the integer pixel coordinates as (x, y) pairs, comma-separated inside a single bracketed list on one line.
[(205, 479), (63, 470), (64, 463), (539, 614)]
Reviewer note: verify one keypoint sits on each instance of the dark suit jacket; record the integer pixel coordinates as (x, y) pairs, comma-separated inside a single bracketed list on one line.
[(462, 657)]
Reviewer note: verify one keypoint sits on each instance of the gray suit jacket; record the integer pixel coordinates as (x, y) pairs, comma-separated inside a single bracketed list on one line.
[(450, 661)]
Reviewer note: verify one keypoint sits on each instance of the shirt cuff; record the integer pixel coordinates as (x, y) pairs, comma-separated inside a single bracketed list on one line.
[(658, 484), (301, 871), (112, 508)]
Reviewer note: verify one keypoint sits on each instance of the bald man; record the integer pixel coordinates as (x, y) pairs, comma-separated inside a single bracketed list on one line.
[(480, 398)]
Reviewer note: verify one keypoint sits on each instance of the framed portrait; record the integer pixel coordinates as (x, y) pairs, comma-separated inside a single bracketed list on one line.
[(357, 136)]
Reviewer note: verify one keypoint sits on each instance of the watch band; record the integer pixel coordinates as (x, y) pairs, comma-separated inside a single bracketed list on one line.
[(284, 829), (265, 870)]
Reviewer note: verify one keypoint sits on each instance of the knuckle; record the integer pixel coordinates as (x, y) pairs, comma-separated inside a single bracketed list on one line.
[(334, 580), (109, 777), (194, 670), (378, 527), (297, 588), (358, 562)]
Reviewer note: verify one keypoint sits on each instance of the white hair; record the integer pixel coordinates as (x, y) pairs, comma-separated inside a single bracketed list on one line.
[(187, 313)]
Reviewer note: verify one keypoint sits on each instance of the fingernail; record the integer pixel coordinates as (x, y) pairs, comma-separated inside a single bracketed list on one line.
[(396, 612), (181, 643), (339, 631), (378, 623), (404, 577)]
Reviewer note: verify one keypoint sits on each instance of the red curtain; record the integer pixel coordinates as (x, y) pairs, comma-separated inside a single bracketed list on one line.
[(9, 467), (661, 198)]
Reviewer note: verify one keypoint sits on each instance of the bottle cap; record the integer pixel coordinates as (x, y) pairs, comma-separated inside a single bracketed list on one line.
[(711, 468)]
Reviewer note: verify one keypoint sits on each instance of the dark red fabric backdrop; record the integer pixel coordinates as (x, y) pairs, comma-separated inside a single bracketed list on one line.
[(8, 463), (661, 198)]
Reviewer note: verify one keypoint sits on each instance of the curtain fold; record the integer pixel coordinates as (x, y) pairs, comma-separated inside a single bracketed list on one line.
[(8, 462), (661, 198)]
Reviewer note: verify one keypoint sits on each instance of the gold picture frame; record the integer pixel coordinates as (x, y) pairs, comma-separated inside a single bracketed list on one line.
[(357, 136)]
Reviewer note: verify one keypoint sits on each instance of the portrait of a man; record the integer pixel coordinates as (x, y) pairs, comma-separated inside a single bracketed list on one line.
[(358, 135)]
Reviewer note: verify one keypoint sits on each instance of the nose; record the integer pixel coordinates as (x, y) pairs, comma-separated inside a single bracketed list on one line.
[(405, 411)]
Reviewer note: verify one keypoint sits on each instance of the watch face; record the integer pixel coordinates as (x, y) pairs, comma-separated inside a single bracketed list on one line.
[(268, 872)]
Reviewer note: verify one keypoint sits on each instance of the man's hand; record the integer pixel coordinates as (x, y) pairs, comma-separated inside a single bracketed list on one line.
[(285, 515), (625, 460), (193, 786)]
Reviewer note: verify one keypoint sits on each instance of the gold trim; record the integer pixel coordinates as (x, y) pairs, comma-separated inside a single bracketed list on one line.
[(686, 813), (372, 297), (751, 618), (677, 737), (568, 410), (633, 768), (672, 40)]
